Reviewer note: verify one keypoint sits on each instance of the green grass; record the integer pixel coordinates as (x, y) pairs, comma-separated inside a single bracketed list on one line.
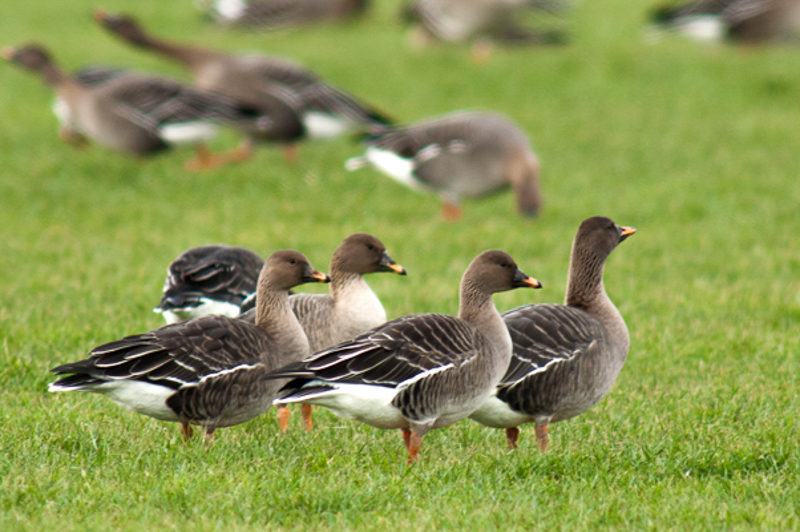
[(695, 146)]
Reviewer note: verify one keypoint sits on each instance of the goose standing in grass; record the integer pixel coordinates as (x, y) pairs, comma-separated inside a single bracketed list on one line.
[(352, 307), (749, 21), (418, 372), (208, 371), (461, 154), (134, 113), (278, 14), (298, 102), (566, 357), (209, 280)]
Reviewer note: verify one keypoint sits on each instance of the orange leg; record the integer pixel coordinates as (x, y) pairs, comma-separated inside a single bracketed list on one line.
[(290, 153), (450, 212), (482, 51), (541, 435), (73, 138), (512, 434), (283, 417), (406, 437), (414, 443), (203, 160), (208, 437), (306, 412), (186, 431)]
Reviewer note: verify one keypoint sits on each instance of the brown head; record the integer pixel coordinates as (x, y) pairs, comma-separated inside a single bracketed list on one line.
[(125, 26), (286, 269), (596, 239), (495, 271), (363, 253), (36, 58), (600, 235)]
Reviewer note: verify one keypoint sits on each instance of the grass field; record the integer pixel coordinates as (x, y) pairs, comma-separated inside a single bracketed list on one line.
[(697, 147)]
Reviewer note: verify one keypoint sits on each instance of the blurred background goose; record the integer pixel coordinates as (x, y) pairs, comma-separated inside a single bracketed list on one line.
[(566, 357), (479, 21), (134, 113), (278, 14), (299, 103), (418, 372), (207, 371), (212, 279), (750, 21), (462, 154)]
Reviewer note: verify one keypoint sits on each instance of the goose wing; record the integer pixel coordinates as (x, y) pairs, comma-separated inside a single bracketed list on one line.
[(544, 335), (219, 272), (396, 354), (174, 356), (151, 102)]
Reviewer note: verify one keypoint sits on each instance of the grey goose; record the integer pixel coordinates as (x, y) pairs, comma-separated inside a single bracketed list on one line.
[(566, 357), (134, 113), (461, 154), (351, 307), (214, 279), (299, 103), (749, 21), (208, 371), (479, 21), (418, 372), (278, 14)]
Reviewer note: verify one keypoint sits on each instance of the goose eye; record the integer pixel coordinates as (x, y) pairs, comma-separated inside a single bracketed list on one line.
[(370, 247), (292, 261)]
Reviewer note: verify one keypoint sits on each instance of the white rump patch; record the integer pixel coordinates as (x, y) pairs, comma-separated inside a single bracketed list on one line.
[(228, 10), (497, 414), (323, 125), (363, 402), (187, 132), (708, 28), (64, 114), (208, 306), (398, 168), (141, 397)]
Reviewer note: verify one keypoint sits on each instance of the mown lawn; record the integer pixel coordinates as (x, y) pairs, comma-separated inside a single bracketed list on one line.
[(697, 147)]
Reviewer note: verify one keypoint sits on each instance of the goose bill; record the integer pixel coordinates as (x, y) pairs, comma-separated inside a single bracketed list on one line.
[(390, 265)]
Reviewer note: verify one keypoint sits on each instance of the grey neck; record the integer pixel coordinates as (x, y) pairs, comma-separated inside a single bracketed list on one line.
[(275, 317)]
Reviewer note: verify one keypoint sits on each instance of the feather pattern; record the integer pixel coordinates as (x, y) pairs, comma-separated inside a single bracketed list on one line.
[(276, 14), (224, 274)]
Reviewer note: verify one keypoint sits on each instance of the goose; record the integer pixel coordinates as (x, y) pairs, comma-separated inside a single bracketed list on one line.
[(480, 21), (417, 372), (134, 113), (750, 21), (566, 357), (276, 14), (461, 154), (298, 102), (212, 279), (208, 371)]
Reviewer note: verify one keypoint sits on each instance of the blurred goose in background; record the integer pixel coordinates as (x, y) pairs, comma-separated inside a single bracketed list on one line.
[(418, 372), (462, 154), (298, 102), (479, 21), (134, 113), (208, 371), (566, 357), (212, 279), (750, 21), (352, 307), (278, 14)]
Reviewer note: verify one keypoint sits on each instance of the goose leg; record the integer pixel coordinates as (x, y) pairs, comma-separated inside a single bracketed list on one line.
[(290, 153), (73, 138), (208, 437), (512, 434), (242, 153), (186, 431), (306, 412), (541, 435), (414, 443), (283, 417), (450, 212), (406, 437), (481, 51), (204, 159)]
